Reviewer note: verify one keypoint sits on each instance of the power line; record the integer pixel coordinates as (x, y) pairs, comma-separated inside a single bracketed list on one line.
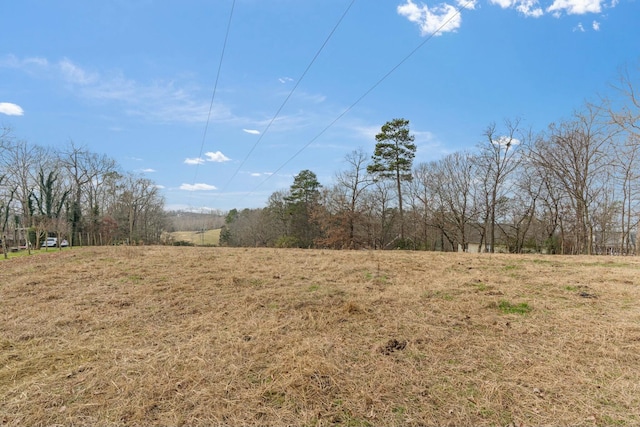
[(367, 92), (335, 27), (215, 88)]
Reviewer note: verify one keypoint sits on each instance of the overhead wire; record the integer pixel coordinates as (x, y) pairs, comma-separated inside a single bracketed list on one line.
[(367, 92), (299, 80), (215, 88)]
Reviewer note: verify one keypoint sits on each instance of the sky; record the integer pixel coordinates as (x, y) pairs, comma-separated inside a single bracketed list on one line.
[(221, 103)]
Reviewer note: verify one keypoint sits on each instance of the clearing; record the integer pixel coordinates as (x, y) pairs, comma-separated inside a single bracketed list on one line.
[(208, 336)]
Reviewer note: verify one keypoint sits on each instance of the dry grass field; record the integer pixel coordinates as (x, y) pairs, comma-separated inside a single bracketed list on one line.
[(208, 238), (212, 336)]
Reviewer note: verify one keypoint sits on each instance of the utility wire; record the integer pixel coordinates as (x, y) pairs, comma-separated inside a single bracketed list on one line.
[(357, 101), (215, 88), (335, 27)]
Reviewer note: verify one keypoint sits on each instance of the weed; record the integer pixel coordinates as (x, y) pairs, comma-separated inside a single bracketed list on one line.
[(438, 294), (380, 278), (313, 288), (610, 421), (274, 398), (256, 282), (481, 287), (135, 279), (508, 308), (399, 410)]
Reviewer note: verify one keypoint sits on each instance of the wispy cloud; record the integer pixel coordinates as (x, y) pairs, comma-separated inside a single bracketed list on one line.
[(148, 170), (579, 28), (198, 187), (11, 109), (193, 161), (595, 26), (217, 157), (160, 100), (251, 131), (285, 79)]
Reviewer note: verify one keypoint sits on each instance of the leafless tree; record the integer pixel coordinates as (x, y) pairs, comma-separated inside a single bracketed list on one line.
[(577, 156), (496, 160)]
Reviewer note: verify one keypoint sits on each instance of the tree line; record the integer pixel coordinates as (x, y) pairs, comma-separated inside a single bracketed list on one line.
[(573, 188), (73, 194)]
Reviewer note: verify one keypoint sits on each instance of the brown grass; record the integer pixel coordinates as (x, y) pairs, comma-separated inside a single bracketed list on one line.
[(211, 336)]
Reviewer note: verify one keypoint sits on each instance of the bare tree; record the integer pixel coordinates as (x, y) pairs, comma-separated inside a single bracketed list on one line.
[(495, 162), (347, 196), (577, 154), (86, 170)]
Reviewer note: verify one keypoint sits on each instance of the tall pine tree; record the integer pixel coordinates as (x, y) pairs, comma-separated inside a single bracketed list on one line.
[(393, 158)]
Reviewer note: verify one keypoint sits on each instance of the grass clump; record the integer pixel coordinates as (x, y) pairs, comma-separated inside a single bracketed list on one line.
[(508, 308)]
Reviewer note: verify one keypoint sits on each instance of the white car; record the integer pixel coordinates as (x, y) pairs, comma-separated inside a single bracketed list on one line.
[(52, 242)]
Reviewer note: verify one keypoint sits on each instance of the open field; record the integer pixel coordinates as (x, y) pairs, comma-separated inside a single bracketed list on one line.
[(210, 336), (208, 238)]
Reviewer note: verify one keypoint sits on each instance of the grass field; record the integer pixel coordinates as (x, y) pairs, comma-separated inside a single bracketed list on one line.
[(208, 238), (212, 336)]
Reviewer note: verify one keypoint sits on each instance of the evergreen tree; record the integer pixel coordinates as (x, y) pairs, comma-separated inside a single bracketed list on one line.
[(393, 157)]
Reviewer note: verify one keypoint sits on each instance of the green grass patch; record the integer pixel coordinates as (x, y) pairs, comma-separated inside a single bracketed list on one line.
[(509, 308)]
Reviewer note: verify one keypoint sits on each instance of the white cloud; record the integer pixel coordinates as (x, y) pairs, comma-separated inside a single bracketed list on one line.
[(446, 17), (217, 157), (193, 161), (198, 187), (432, 21), (575, 7), (529, 8), (285, 79), (148, 170), (251, 131), (579, 28), (11, 109), (259, 174)]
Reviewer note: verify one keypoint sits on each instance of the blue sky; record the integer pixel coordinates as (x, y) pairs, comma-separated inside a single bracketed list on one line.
[(134, 79)]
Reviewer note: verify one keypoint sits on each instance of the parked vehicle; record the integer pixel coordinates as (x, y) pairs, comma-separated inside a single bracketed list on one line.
[(52, 242)]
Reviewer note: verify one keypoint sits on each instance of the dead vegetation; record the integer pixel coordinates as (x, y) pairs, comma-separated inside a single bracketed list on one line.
[(212, 336)]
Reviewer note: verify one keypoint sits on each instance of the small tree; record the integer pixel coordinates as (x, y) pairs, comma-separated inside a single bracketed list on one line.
[(393, 158)]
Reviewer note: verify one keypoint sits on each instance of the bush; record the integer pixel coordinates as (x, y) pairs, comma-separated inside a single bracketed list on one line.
[(287, 242), (183, 243)]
